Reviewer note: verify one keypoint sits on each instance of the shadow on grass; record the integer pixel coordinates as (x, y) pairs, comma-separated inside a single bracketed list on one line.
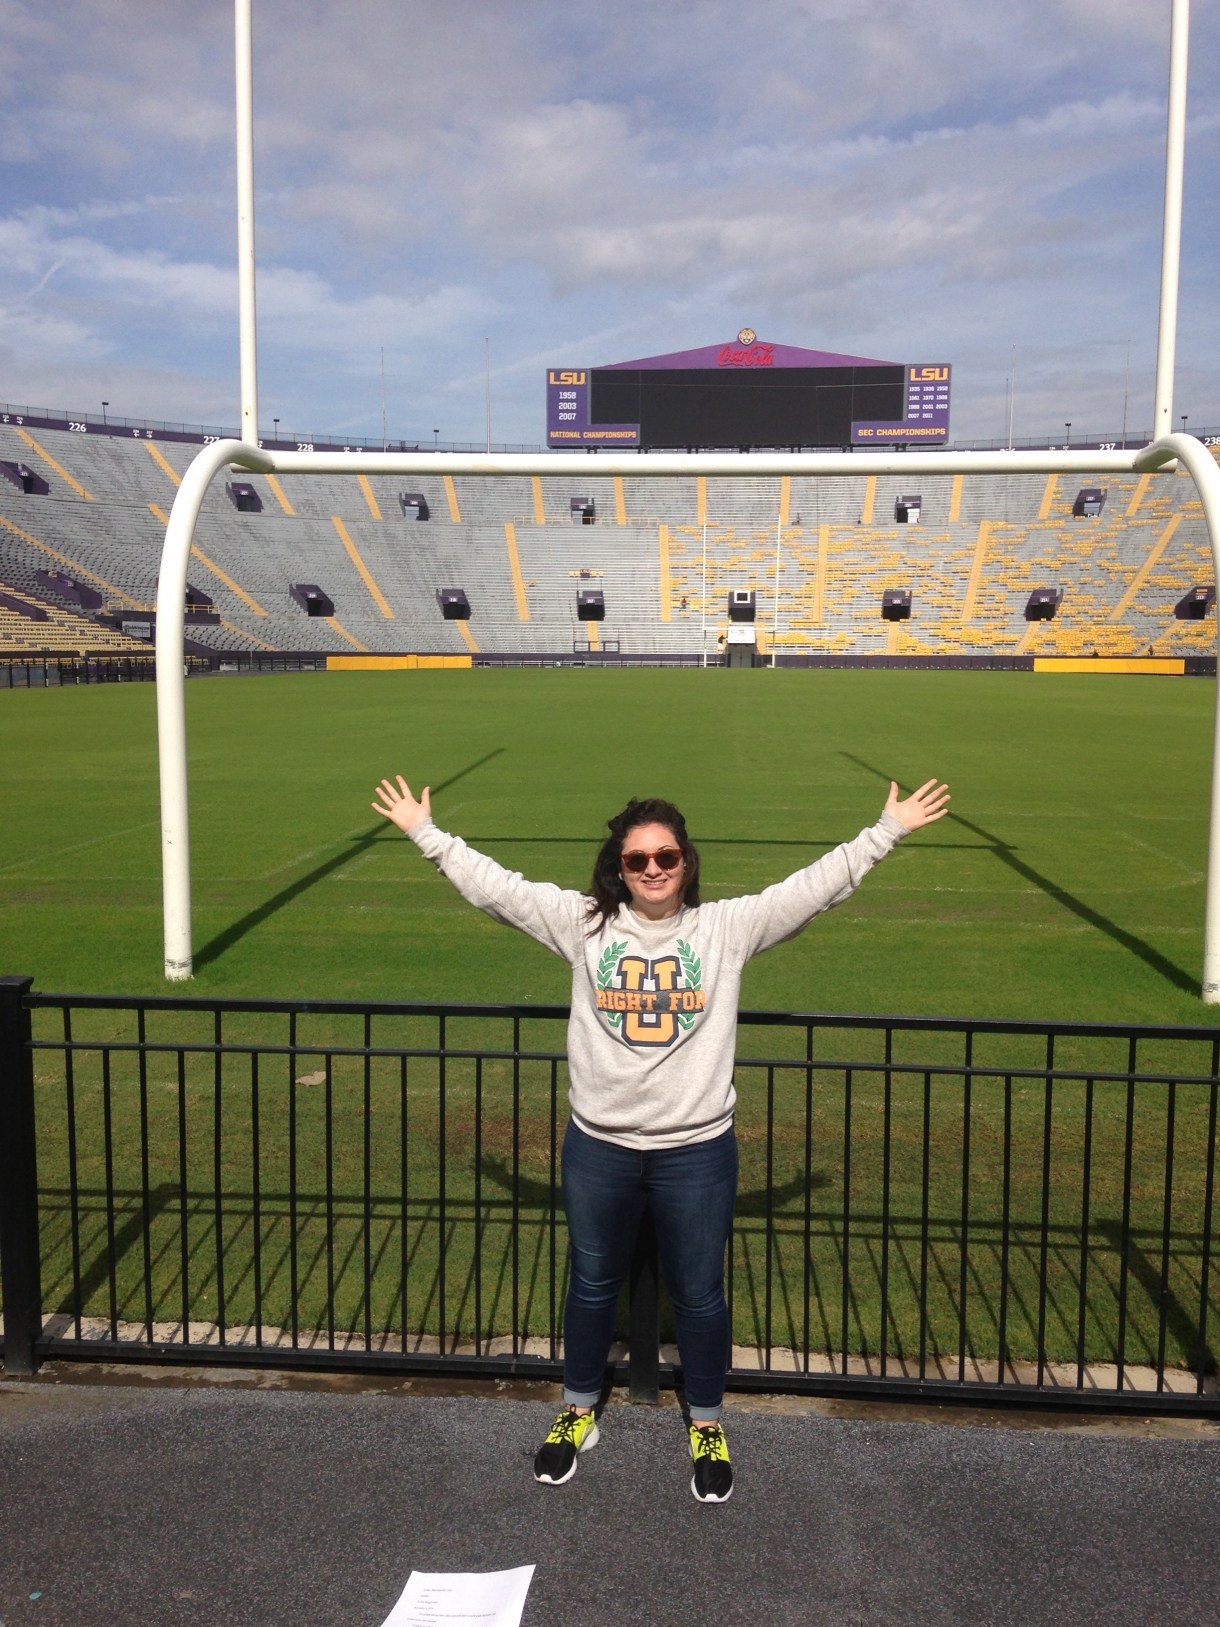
[(224, 941), (1007, 854), (348, 1275), (540, 1194)]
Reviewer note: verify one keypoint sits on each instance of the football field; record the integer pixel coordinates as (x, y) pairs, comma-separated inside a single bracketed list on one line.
[(1067, 883)]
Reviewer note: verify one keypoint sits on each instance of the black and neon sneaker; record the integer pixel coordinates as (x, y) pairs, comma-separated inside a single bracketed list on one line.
[(712, 1481), (573, 1433)]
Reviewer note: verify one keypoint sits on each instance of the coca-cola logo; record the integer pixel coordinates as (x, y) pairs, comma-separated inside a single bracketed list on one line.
[(757, 356)]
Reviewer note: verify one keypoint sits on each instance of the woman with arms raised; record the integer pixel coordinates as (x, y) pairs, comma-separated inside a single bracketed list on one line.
[(651, 1037)]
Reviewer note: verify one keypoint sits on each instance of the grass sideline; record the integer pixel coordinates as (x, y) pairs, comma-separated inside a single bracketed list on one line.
[(1067, 883)]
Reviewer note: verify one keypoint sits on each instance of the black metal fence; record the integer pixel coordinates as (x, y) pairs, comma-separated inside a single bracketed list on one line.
[(966, 1210)]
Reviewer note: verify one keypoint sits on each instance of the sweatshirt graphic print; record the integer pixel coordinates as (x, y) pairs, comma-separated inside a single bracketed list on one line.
[(653, 1025)]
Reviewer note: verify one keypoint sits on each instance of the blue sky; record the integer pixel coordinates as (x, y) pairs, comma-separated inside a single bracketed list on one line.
[(582, 184)]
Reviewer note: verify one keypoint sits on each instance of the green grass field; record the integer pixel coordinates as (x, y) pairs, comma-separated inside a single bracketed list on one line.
[(1068, 882)]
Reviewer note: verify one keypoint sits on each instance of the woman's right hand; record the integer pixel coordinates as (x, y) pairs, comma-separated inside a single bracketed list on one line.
[(400, 807)]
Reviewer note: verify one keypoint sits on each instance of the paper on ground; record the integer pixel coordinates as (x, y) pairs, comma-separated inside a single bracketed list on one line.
[(462, 1599)]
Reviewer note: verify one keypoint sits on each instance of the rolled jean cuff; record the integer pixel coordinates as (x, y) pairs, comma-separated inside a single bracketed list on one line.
[(577, 1398), (701, 1415)]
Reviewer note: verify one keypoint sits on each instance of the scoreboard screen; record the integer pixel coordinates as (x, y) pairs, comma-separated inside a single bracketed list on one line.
[(746, 395), (790, 406)]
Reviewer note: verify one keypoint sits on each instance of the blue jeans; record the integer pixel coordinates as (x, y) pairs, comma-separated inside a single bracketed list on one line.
[(690, 1192)]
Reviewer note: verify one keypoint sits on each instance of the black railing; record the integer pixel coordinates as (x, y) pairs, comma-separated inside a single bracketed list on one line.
[(966, 1210)]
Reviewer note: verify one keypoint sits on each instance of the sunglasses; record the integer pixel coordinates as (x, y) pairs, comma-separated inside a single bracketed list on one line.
[(668, 858)]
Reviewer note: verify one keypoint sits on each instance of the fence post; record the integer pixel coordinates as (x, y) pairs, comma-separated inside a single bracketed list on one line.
[(19, 1253), (644, 1318)]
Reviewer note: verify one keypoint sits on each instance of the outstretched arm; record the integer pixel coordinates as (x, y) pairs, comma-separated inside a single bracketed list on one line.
[(554, 917), (400, 807), (922, 807)]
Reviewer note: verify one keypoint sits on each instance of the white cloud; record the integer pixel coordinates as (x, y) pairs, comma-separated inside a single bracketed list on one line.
[(648, 178)]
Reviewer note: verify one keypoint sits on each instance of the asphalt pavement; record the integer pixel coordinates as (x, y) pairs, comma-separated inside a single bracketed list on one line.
[(142, 1498)]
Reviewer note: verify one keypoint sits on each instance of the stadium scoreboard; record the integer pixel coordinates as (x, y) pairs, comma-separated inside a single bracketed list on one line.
[(749, 394)]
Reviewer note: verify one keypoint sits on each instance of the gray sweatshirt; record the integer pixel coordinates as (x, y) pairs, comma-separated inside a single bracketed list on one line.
[(653, 1028)]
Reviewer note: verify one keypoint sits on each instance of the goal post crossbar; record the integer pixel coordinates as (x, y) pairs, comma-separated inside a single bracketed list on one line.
[(1181, 449)]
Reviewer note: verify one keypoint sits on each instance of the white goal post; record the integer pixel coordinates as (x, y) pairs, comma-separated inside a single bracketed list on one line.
[(1164, 453)]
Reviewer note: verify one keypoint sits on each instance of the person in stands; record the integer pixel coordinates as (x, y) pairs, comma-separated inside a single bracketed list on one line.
[(651, 1039)]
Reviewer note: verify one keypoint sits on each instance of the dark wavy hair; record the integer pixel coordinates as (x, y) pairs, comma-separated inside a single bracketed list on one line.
[(608, 890)]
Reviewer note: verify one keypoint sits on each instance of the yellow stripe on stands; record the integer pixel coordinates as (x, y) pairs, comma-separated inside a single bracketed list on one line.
[(1152, 665), (51, 464), (467, 636), (370, 499), (277, 491), (375, 592), (701, 500), (77, 570), (158, 513), (1048, 497), (539, 506), (667, 608), (455, 513), (228, 581), (1154, 559), (785, 498), (1137, 496), (595, 642), (514, 566), (1033, 631), (976, 569), (620, 501), (891, 639), (241, 633), (397, 663), (343, 633), (870, 498), (159, 458), (955, 500)]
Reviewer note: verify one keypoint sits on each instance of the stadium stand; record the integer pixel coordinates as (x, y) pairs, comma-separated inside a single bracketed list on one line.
[(99, 505)]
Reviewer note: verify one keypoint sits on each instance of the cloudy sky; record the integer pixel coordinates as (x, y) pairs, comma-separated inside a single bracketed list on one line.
[(581, 183)]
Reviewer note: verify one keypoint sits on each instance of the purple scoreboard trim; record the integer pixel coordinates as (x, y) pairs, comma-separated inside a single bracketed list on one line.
[(567, 413), (926, 410), (755, 353)]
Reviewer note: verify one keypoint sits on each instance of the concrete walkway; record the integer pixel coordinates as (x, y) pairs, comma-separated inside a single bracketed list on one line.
[(137, 1498)]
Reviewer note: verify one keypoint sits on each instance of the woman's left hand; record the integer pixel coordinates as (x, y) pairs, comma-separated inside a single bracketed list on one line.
[(922, 807)]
